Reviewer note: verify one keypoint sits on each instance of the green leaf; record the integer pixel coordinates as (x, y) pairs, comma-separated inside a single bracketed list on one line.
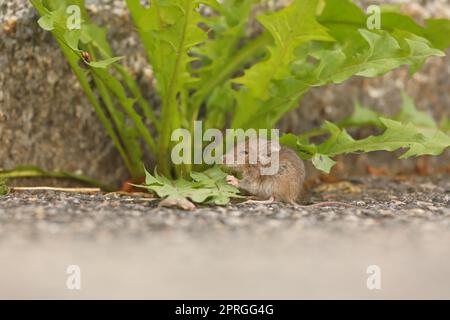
[(72, 38), (358, 51), (379, 53), (169, 31), (46, 22), (361, 117), (194, 58), (289, 140), (437, 32), (221, 100), (33, 172), (123, 136), (355, 51), (396, 136), (415, 139), (409, 113), (289, 27), (104, 63), (209, 186), (445, 124), (341, 16), (305, 150), (221, 53), (227, 28), (151, 180), (127, 103), (95, 35), (323, 162), (365, 117)]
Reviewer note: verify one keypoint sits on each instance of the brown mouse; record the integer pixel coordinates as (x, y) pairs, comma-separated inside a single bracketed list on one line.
[(284, 185)]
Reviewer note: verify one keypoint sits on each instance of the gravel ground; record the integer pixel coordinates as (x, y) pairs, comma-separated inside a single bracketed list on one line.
[(378, 203), (130, 248)]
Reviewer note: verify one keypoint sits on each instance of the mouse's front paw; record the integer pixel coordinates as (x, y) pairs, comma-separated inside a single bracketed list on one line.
[(232, 180)]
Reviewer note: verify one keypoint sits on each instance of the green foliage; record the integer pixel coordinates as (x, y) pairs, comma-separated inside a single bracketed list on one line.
[(108, 95), (445, 124), (4, 190), (397, 135), (208, 186), (207, 67), (362, 117), (35, 172), (365, 117), (354, 51), (410, 129), (289, 28)]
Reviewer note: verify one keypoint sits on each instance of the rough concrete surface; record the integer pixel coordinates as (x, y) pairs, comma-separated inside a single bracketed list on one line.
[(45, 119), (127, 247)]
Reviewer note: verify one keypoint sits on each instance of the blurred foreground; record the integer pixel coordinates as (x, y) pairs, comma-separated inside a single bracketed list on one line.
[(129, 248)]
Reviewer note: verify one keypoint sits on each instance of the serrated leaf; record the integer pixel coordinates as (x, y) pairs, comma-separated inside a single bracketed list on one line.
[(226, 29), (207, 186), (380, 53), (289, 27), (149, 179), (416, 139), (396, 136), (356, 52), (340, 16), (169, 30)]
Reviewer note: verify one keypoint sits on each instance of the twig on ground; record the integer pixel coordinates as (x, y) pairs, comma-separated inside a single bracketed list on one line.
[(78, 190)]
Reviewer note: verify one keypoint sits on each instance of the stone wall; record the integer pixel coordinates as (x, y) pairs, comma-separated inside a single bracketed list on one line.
[(45, 119)]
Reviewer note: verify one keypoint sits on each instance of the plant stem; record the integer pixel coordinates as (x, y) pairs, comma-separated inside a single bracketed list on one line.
[(114, 114), (116, 87), (78, 190), (131, 84), (243, 55), (33, 172), (73, 59), (169, 114), (95, 103)]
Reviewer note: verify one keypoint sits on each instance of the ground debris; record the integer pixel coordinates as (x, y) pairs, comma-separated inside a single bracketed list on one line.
[(378, 202)]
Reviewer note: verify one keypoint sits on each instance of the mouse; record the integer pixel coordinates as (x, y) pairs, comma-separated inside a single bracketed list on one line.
[(285, 184)]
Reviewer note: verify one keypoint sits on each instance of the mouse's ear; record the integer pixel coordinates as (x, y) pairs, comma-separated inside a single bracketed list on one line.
[(266, 148)]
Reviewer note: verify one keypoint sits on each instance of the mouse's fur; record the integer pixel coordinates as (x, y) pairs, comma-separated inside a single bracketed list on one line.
[(285, 185)]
